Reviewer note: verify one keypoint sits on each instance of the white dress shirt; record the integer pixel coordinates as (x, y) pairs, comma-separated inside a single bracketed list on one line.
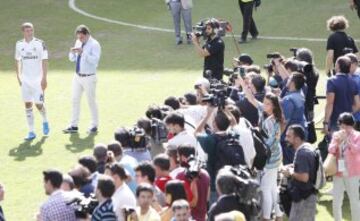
[(90, 56)]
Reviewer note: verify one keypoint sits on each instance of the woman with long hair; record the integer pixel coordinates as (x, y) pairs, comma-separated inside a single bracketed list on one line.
[(270, 124)]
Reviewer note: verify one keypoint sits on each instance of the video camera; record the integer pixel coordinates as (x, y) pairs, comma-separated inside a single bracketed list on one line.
[(274, 55), (200, 28), (159, 131), (217, 95), (234, 73), (137, 138), (247, 189), (83, 206)]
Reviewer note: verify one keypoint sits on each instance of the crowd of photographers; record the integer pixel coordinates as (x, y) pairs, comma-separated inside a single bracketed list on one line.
[(235, 147)]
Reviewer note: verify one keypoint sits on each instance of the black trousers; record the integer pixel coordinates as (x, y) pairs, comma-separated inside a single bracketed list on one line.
[(249, 25)]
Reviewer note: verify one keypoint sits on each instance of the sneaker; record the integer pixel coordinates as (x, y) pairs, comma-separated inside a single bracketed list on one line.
[(46, 128), (30, 136), (92, 130), (71, 130)]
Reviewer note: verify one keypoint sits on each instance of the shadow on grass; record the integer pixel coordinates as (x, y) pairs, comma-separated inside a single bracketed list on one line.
[(27, 149), (326, 201), (79, 144)]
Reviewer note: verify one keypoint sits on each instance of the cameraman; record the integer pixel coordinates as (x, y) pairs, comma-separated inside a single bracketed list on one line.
[(140, 154), (213, 50), (199, 179), (226, 185)]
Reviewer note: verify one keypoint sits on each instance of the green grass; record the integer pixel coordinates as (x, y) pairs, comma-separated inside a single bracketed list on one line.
[(137, 68)]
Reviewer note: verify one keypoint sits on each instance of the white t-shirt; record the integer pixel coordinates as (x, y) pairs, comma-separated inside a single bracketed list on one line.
[(196, 112), (186, 137), (246, 141), (123, 197), (31, 55)]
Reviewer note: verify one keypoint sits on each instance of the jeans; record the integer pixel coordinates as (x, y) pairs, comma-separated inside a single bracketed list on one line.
[(177, 11), (351, 186)]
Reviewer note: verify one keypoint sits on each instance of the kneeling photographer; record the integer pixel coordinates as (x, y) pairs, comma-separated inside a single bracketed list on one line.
[(213, 49), (238, 191)]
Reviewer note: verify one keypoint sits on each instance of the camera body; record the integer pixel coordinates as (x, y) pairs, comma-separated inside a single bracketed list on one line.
[(200, 28), (137, 138), (217, 96), (159, 131), (83, 206)]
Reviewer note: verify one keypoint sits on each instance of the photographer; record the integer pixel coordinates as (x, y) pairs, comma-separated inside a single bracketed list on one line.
[(126, 139), (197, 178), (243, 60), (226, 185), (104, 191), (213, 50), (270, 118), (337, 42), (256, 84), (208, 142), (293, 106), (175, 123), (302, 174)]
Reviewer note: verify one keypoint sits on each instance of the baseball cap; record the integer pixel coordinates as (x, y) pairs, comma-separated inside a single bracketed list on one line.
[(245, 58)]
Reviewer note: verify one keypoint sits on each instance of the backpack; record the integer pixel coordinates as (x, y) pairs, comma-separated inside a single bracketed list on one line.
[(228, 151), (263, 153)]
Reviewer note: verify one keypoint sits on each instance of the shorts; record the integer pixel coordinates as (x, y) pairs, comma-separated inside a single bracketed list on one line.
[(32, 92)]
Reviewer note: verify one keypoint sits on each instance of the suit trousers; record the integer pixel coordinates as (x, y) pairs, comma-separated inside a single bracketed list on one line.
[(249, 25), (79, 85), (177, 12)]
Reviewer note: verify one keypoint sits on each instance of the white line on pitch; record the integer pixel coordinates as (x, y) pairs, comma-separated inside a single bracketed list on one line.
[(73, 6)]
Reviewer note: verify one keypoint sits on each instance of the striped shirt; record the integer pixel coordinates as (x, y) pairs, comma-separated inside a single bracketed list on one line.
[(104, 212)]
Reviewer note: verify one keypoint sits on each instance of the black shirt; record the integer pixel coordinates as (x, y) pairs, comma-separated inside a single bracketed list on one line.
[(226, 203), (339, 40), (215, 61)]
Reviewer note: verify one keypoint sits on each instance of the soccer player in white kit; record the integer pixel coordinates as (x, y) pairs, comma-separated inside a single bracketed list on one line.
[(86, 55), (31, 57)]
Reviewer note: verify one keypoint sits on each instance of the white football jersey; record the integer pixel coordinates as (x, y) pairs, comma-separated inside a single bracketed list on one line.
[(31, 54)]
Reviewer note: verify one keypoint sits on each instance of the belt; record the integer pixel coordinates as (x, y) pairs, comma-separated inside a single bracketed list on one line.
[(84, 75)]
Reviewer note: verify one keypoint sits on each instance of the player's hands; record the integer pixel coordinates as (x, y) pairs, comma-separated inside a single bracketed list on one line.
[(43, 83)]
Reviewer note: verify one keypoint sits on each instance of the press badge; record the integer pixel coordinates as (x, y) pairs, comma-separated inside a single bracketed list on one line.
[(341, 165)]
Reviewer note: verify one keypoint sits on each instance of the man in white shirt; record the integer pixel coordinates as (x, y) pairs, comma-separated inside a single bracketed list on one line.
[(175, 123), (86, 55), (31, 57), (123, 196)]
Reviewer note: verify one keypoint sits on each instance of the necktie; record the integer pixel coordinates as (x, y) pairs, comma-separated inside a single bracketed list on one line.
[(78, 59)]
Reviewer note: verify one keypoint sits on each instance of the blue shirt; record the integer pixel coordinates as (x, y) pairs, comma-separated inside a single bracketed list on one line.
[(129, 163), (140, 156), (344, 89), (104, 212), (293, 105), (356, 79)]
